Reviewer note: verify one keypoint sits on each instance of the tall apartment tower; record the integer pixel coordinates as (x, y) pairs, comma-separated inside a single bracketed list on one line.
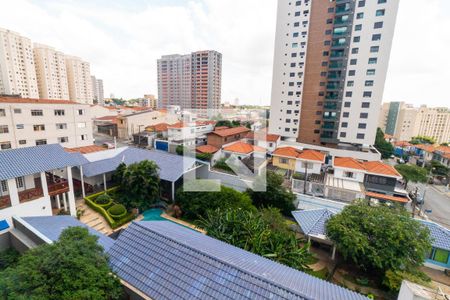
[(330, 65), (17, 69), (97, 91), (79, 80), (192, 81), (51, 73)]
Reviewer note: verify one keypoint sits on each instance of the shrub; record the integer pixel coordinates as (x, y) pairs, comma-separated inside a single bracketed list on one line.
[(103, 200), (117, 211), (221, 164), (204, 156)]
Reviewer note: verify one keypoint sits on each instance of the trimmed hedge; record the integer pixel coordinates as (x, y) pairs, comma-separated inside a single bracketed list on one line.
[(117, 211), (104, 201), (114, 223)]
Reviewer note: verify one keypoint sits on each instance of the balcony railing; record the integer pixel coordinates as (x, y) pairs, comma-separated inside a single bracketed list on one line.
[(5, 202), (30, 194)]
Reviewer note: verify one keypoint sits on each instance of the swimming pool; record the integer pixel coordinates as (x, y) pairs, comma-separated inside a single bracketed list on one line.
[(153, 214)]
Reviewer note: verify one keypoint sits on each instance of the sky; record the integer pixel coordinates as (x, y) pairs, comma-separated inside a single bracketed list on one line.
[(123, 39)]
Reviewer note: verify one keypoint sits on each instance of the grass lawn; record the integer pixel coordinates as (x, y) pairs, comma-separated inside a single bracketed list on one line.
[(322, 274)]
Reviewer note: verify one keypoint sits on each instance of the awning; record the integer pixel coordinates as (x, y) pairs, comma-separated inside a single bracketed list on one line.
[(387, 197)]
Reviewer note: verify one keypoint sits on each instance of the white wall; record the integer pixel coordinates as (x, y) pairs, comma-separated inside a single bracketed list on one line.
[(38, 207), (357, 175), (313, 167)]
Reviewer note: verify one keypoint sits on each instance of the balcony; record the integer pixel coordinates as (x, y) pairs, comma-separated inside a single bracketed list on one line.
[(5, 202), (332, 106)]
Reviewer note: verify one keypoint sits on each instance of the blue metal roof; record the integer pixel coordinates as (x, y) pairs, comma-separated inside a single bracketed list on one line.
[(168, 261), (30, 160), (171, 167), (312, 222), (3, 225), (440, 235), (52, 227)]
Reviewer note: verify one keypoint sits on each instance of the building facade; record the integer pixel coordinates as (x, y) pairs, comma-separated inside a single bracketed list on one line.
[(51, 73), (192, 81), (31, 122), (79, 80), (17, 67), (330, 65), (98, 95)]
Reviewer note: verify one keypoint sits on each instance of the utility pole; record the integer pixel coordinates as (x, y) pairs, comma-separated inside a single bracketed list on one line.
[(306, 177), (414, 201)]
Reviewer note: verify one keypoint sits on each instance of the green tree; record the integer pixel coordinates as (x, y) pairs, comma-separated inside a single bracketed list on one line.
[(226, 123), (385, 148), (74, 267), (275, 194), (420, 139), (118, 174), (139, 187), (437, 168), (412, 173), (195, 204), (381, 238), (263, 233)]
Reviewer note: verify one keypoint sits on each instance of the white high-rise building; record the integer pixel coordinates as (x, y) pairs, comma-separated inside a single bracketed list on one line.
[(51, 73), (79, 80), (97, 90), (330, 65), (17, 69)]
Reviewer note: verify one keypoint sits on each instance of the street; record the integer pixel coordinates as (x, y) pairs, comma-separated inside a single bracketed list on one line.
[(437, 201), (103, 138)]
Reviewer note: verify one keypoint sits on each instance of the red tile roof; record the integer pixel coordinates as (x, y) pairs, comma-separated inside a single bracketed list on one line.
[(443, 149), (426, 147), (157, 127), (402, 144), (230, 131), (348, 162), (207, 149), (377, 167), (221, 127), (300, 154), (86, 149), (244, 148), (387, 197), (262, 135), (38, 101)]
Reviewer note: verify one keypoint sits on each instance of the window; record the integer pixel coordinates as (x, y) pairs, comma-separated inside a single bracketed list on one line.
[(439, 255), (295, 34), (81, 112), (350, 83), (37, 112), (362, 3), (353, 61), (367, 94), (296, 24), (59, 112), (346, 114), (381, 1), (368, 83), (348, 174), (362, 125), (360, 136), (298, 3), (293, 54), (347, 104), (356, 39), (351, 73), (61, 126), (355, 50), (371, 72), (2, 112), (378, 25), (348, 94), (373, 60), (4, 186), (5, 145), (363, 115), (40, 127), (283, 160), (380, 12), (83, 137), (360, 15), (343, 134), (22, 142), (374, 49), (20, 126), (376, 37), (358, 27), (297, 14), (20, 182), (63, 139), (17, 111), (4, 129), (344, 125), (41, 142), (330, 10)]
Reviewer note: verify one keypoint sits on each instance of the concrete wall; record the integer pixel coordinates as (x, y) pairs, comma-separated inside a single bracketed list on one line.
[(38, 207), (5, 242), (227, 180)]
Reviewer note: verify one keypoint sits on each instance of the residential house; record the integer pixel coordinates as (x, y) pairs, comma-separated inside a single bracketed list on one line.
[(106, 125), (439, 257), (300, 161), (150, 258), (130, 124), (36, 181), (263, 139), (242, 150), (402, 148), (425, 151), (190, 134), (218, 138), (442, 155)]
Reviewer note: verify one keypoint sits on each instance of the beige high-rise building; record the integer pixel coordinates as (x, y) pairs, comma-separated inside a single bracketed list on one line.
[(17, 69), (79, 80), (97, 90), (404, 121), (51, 73)]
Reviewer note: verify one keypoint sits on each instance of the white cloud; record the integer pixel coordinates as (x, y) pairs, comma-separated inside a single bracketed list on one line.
[(123, 40)]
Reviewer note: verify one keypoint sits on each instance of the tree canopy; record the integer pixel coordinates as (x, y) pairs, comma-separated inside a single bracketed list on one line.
[(276, 195), (262, 232), (74, 267), (384, 147), (379, 239), (195, 204), (138, 184), (412, 173), (420, 139)]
